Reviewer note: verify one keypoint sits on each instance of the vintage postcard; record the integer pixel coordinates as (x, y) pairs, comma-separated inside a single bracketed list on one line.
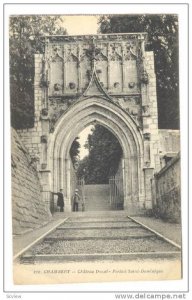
[(96, 148)]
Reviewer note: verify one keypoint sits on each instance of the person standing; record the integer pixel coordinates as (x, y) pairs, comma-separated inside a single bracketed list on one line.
[(76, 201), (60, 200)]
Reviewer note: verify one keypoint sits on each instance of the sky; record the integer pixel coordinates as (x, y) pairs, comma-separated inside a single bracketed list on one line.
[(82, 139), (80, 24), (76, 25)]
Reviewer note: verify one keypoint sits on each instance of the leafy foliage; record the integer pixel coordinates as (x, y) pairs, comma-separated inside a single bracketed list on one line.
[(104, 156), (163, 40), (74, 151), (25, 40)]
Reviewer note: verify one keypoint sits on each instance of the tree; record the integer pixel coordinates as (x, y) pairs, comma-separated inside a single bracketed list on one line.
[(74, 151), (25, 40), (163, 40), (82, 171), (104, 156)]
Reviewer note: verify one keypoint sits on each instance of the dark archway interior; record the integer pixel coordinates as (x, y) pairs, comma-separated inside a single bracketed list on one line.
[(103, 157)]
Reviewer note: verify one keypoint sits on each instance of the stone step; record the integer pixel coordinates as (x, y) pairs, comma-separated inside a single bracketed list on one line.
[(96, 227), (94, 220), (84, 238), (30, 259), (96, 214)]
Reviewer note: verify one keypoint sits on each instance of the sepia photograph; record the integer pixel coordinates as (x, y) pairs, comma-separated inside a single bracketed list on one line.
[(96, 157), (95, 148)]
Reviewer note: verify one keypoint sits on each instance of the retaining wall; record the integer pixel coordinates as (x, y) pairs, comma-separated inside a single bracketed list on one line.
[(28, 209), (167, 192)]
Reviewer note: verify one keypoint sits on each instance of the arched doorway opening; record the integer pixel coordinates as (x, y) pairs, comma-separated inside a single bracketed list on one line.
[(97, 160), (80, 115)]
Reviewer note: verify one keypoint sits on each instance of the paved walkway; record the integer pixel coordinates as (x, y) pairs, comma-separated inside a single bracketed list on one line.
[(169, 230), (22, 241)]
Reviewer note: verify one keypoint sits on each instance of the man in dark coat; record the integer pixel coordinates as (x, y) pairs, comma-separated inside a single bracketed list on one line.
[(60, 200)]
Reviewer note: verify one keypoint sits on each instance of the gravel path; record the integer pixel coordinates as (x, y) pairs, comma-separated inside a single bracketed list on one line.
[(100, 246)]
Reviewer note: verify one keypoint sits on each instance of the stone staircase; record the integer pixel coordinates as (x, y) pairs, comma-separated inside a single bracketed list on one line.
[(94, 236), (97, 197)]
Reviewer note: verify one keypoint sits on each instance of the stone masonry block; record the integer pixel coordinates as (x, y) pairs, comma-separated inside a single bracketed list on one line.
[(153, 126), (154, 120), (38, 96), (152, 79), (37, 77), (37, 80), (153, 100), (37, 68), (35, 140), (31, 130), (151, 89), (154, 105), (155, 138), (38, 57), (36, 86), (37, 73), (149, 54), (148, 120)]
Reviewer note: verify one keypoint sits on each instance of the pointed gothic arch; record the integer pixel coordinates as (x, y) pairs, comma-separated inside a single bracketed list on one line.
[(80, 115)]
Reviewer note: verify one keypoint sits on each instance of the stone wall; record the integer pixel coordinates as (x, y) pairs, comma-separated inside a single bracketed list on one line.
[(169, 141), (28, 209), (169, 145), (166, 189), (150, 115), (32, 137)]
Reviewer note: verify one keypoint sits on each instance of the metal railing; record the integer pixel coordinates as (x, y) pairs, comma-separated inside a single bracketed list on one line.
[(116, 192), (81, 188)]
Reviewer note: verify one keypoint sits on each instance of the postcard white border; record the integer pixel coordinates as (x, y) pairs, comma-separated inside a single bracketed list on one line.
[(48, 8)]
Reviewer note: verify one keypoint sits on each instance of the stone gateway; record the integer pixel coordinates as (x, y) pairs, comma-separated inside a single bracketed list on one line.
[(104, 79)]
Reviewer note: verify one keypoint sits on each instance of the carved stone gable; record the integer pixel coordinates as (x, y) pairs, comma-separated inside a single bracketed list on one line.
[(111, 66), (70, 60)]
